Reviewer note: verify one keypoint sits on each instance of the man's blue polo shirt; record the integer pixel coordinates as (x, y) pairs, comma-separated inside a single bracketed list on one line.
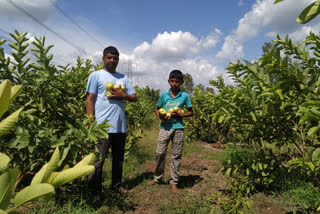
[(105, 108), (166, 101)]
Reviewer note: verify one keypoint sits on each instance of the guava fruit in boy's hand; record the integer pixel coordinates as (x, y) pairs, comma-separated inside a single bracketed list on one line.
[(116, 87), (168, 115), (108, 93), (176, 109), (171, 110), (109, 85), (162, 111)]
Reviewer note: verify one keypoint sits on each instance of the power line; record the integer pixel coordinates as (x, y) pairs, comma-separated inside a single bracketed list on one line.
[(46, 27), (6, 38), (11, 40), (75, 23), (7, 33)]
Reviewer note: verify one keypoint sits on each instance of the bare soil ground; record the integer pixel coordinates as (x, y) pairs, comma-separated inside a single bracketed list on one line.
[(199, 179)]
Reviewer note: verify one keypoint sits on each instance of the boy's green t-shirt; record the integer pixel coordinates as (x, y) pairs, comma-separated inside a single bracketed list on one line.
[(166, 101)]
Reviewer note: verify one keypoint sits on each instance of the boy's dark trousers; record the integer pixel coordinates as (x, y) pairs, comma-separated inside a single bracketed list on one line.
[(117, 143)]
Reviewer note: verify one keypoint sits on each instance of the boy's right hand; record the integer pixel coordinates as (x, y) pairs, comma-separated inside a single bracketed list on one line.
[(162, 117)]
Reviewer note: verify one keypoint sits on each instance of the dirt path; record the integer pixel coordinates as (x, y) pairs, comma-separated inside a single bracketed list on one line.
[(199, 180)]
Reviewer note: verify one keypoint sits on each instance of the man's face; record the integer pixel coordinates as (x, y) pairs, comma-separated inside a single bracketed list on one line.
[(175, 83), (110, 61)]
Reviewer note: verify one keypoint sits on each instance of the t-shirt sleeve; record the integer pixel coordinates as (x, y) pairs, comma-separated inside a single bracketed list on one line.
[(92, 85), (129, 88), (188, 102), (160, 101)]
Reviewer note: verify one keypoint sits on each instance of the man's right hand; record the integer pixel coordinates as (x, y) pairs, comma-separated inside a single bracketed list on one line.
[(118, 94)]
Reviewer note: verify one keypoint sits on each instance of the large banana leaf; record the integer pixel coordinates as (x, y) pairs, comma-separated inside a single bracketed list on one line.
[(33, 192), (87, 160), (72, 174), (52, 176), (9, 122), (47, 169), (3, 212), (4, 163), (7, 181), (5, 90)]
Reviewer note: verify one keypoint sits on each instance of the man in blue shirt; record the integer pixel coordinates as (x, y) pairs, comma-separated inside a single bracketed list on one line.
[(171, 128), (108, 105)]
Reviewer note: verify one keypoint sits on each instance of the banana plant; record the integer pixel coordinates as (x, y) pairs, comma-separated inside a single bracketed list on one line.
[(44, 182), (8, 177)]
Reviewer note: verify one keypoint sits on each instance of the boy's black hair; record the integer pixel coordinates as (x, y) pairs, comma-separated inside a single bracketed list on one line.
[(112, 50), (176, 74)]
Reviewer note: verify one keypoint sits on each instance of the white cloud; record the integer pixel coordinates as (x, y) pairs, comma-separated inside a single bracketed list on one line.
[(168, 51), (39, 8), (240, 3), (155, 74), (176, 45), (271, 35), (279, 17), (304, 31)]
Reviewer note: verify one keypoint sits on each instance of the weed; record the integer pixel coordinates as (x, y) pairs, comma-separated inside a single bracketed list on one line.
[(304, 196)]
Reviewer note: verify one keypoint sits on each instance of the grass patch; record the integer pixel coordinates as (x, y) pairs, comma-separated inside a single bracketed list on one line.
[(303, 197), (204, 152), (190, 204)]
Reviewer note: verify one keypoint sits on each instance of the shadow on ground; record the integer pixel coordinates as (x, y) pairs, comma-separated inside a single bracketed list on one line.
[(132, 183), (189, 181)]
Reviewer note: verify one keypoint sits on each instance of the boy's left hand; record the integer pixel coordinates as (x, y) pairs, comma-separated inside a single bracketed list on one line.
[(180, 113)]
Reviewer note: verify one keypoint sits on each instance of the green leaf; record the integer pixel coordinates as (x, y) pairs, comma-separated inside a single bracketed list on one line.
[(253, 166), (260, 166), (7, 181), (15, 90), (228, 172), (64, 155), (5, 90), (33, 192), (3, 212), (277, 1), (52, 176), (71, 174), (47, 169), (4, 163), (88, 160), (316, 155), (310, 165), (253, 117), (278, 91), (313, 130), (309, 13), (9, 122), (221, 118)]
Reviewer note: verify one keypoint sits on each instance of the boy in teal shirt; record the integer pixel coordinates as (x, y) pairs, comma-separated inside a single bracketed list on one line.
[(171, 128)]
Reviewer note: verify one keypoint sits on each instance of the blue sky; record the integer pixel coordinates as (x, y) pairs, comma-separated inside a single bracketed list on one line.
[(197, 37)]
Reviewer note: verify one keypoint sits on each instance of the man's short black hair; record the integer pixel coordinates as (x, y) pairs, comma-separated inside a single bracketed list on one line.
[(176, 74), (112, 50)]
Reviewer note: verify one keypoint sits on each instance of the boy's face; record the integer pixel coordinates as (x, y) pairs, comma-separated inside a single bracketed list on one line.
[(175, 83)]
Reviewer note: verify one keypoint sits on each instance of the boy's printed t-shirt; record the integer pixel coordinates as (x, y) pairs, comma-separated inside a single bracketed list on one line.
[(167, 102), (106, 108)]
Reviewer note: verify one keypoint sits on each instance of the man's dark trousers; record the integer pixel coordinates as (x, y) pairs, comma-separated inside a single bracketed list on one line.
[(117, 143)]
